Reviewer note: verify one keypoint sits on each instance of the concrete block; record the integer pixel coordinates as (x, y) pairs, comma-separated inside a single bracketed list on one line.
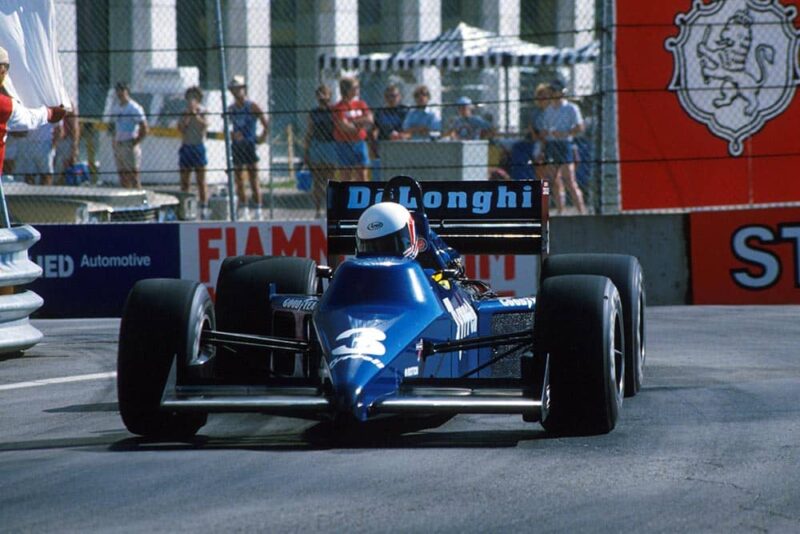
[(660, 242)]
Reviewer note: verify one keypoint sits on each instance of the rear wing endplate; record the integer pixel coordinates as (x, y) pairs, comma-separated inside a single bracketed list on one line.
[(491, 217)]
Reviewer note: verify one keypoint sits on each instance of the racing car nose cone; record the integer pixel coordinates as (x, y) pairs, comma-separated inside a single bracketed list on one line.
[(349, 376)]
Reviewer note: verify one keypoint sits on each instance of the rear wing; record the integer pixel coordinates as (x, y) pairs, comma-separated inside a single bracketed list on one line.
[(491, 217)]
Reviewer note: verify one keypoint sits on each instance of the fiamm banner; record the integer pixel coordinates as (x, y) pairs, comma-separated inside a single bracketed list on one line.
[(746, 256), (205, 246), (706, 102)]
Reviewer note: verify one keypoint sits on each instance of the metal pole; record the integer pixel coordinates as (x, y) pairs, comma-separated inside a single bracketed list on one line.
[(508, 102), (610, 200), (3, 206), (223, 75)]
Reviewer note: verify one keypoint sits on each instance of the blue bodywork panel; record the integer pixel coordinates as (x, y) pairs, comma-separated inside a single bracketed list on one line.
[(375, 312)]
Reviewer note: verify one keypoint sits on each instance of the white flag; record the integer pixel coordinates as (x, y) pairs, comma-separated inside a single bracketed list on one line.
[(27, 31)]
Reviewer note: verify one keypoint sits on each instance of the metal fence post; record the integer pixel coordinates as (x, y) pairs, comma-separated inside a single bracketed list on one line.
[(223, 74), (609, 153)]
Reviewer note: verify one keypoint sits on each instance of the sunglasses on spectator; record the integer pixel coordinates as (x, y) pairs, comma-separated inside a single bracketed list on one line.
[(423, 93)]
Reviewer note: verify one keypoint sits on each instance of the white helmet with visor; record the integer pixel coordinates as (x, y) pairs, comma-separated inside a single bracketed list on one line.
[(386, 229)]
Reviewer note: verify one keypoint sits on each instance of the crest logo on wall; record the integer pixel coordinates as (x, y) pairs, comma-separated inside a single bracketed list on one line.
[(737, 65)]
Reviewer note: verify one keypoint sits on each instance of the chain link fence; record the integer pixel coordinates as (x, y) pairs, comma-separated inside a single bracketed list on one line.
[(475, 66)]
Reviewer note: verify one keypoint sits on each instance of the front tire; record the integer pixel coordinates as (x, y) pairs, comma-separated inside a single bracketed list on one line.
[(579, 318), (162, 320), (243, 303)]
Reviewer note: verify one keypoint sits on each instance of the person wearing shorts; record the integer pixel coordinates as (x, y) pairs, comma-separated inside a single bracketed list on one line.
[(245, 116), (320, 148), (351, 118), (193, 126), (562, 121), (35, 156), (130, 128)]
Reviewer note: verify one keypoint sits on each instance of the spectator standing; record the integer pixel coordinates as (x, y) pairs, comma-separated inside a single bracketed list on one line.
[(420, 123), (35, 155), (527, 155), (244, 116), (468, 126), (193, 126), (536, 127), (16, 117), (351, 118), (562, 121), (319, 146), (129, 129), (389, 119), (68, 146)]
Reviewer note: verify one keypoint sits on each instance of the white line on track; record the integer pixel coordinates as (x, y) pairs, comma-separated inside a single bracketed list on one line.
[(59, 380)]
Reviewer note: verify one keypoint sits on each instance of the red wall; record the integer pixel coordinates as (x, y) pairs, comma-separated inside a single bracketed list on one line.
[(669, 159)]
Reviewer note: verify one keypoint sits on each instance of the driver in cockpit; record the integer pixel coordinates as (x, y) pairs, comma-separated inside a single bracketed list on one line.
[(389, 229)]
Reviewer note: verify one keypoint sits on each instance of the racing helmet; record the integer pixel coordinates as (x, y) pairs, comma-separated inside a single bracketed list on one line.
[(386, 229)]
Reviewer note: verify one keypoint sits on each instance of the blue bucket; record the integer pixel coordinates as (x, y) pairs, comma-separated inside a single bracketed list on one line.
[(304, 180), (77, 174)]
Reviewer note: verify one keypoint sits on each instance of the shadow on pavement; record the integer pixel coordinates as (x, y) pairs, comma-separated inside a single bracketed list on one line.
[(385, 434)]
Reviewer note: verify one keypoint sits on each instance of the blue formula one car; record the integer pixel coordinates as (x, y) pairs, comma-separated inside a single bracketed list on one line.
[(398, 329)]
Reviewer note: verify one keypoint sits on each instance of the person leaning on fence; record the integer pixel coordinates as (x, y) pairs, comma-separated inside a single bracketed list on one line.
[(319, 152), (193, 125), (129, 129), (562, 121), (16, 117), (244, 116), (389, 119), (468, 126), (351, 118), (67, 151), (420, 123)]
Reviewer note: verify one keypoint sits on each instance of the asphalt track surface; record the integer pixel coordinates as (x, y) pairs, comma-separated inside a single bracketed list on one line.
[(712, 443)]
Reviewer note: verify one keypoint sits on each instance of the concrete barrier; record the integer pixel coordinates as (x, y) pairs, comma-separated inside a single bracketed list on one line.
[(661, 242), (16, 269)]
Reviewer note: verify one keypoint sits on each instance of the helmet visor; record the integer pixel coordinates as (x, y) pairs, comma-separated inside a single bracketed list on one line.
[(396, 244)]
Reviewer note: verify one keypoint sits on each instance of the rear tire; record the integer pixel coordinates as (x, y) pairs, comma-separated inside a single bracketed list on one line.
[(162, 320), (626, 273), (579, 319)]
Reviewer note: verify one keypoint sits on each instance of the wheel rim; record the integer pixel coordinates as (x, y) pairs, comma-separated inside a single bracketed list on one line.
[(640, 334), (617, 360), (201, 352)]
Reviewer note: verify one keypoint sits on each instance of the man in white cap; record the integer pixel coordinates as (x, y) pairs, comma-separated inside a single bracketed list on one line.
[(14, 116), (468, 126), (243, 115)]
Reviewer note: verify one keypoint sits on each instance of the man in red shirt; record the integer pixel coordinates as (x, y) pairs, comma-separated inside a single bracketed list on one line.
[(351, 118), (16, 117)]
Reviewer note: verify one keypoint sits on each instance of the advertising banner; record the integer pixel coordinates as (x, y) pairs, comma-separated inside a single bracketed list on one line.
[(707, 113), (87, 270), (204, 247), (746, 256)]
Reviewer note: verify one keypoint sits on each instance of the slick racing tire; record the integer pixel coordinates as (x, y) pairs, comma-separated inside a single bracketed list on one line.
[(626, 273), (242, 303), (581, 330), (162, 321)]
